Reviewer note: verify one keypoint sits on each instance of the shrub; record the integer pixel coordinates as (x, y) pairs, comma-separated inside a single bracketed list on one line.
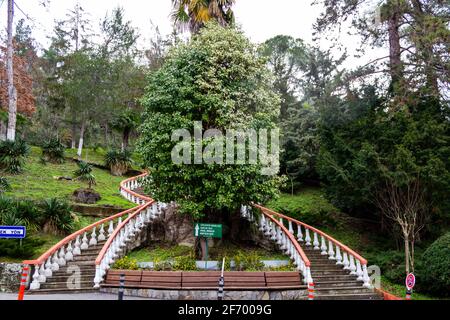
[(126, 264), (13, 249), (434, 271), (57, 216), (185, 263), (84, 173), (53, 151), (248, 261), (13, 155), (4, 185), (118, 161)]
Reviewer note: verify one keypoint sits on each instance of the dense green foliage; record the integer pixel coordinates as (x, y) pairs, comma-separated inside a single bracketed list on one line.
[(4, 185), (434, 272), (14, 249), (84, 173), (57, 216), (218, 79), (125, 263), (13, 155), (53, 151)]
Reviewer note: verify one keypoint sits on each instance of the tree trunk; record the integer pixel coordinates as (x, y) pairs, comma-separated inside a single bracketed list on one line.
[(74, 135), (125, 139), (2, 131), (396, 65), (80, 144), (12, 94), (407, 256)]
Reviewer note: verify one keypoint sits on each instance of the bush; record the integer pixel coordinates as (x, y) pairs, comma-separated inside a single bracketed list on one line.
[(13, 155), (118, 161), (126, 264), (57, 216), (84, 173), (13, 249), (434, 271), (247, 262), (185, 263), (4, 185), (53, 151)]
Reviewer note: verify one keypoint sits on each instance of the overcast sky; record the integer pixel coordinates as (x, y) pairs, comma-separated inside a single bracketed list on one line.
[(260, 19)]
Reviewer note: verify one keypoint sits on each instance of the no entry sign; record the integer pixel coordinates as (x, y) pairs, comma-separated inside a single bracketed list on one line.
[(410, 281), (12, 232)]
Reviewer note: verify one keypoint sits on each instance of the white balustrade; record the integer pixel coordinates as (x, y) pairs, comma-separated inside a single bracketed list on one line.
[(323, 247), (316, 241)]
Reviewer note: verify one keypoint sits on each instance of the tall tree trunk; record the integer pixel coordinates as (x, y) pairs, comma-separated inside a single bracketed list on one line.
[(396, 65), (407, 256), (126, 139), (2, 131), (80, 144), (74, 135), (12, 94)]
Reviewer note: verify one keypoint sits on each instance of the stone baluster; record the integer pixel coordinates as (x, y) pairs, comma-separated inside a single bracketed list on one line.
[(101, 235), (93, 241), (316, 242), (346, 262), (35, 285), (42, 277), (77, 248), (62, 255), (55, 265), (352, 266), (98, 277), (359, 271), (308, 237), (366, 277), (338, 256), (331, 253), (299, 233), (323, 246), (84, 244), (111, 228), (69, 252), (291, 229), (48, 268)]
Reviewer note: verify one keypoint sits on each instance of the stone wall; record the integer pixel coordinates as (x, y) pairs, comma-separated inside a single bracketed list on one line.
[(260, 295), (10, 277)]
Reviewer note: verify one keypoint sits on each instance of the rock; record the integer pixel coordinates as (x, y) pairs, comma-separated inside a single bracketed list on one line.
[(86, 196), (10, 277)]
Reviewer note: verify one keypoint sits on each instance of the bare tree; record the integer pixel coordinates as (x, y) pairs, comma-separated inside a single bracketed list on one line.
[(406, 206), (12, 94)]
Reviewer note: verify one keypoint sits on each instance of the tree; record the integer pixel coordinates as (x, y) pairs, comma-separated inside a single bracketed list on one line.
[(218, 79), (84, 173), (195, 14), (414, 31), (12, 93)]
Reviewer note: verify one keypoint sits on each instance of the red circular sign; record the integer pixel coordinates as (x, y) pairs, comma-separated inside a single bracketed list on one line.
[(410, 281)]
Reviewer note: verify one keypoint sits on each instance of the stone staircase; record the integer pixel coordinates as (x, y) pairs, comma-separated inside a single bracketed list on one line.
[(332, 282), (76, 277)]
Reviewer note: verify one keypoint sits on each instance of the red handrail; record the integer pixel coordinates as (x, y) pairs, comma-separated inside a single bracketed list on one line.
[(342, 246), (292, 238), (108, 243)]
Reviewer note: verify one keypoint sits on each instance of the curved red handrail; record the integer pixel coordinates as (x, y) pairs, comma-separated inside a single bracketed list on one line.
[(342, 246), (292, 238)]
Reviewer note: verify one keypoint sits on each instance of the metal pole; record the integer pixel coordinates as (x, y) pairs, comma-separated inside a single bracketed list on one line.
[(408, 294), (221, 283), (23, 283), (122, 286)]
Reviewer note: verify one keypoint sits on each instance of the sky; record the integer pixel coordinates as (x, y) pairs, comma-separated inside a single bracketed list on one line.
[(260, 19)]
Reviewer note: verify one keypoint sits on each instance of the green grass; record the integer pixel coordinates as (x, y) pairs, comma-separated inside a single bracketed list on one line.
[(97, 156), (37, 182), (165, 252)]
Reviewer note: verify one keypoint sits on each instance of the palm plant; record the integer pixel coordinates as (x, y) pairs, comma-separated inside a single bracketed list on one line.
[(84, 173), (57, 216), (13, 155), (4, 185), (53, 151), (193, 14), (118, 161)]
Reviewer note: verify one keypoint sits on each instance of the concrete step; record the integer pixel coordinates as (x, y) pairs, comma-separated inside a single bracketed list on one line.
[(320, 267), (90, 257), (333, 284), (81, 263), (328, 272), (65, 286), (83, 272), (343, 290), (327, 278), (61, 291), (58, 279), (361, 296)]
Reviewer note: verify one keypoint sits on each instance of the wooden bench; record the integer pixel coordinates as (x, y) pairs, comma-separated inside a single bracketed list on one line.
[(208, 280)]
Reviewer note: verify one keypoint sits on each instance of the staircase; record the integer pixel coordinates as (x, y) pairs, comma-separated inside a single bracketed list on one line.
[(332, 282), (82, 268)]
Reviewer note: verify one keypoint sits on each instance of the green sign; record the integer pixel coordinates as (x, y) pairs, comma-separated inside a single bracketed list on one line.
[(208, 230)]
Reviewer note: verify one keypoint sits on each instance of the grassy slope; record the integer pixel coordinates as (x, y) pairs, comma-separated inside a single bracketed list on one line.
[(37, 182), (309, 200)]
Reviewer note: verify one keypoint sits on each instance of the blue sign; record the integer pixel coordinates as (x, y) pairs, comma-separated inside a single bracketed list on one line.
[(12, 232)]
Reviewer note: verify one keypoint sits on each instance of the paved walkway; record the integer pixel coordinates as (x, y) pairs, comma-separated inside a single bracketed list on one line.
[(81, 296)]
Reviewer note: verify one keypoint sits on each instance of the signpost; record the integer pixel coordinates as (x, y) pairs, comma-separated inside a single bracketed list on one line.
[(207, 231), (12, 232), (410, 283)]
